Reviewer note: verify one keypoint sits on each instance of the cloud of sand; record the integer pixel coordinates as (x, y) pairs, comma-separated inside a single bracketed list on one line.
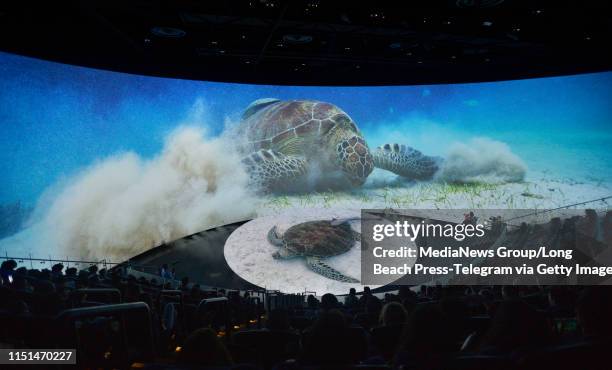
[(468, 157), (481, 159), (124, 204)]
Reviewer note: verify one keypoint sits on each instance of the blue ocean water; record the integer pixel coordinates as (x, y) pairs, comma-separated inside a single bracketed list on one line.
[(57, 119)]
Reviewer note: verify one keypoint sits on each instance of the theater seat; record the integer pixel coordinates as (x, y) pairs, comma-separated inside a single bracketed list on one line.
[(479, 323), (165, 366), (270, 347), (300, 322), (296, 366), (386, 339), (584, 355), (357, 339), (480, 362)]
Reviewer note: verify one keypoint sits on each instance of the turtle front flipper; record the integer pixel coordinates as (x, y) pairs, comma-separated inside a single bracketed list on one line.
[(274, 238), (274, 171), (321, 268), (406, 161)]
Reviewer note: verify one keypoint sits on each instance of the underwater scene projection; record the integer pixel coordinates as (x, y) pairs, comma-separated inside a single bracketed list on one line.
[(105, 165)]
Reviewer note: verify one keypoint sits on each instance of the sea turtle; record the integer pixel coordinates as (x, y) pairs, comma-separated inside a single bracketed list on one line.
[(297, 144), (316, 240)]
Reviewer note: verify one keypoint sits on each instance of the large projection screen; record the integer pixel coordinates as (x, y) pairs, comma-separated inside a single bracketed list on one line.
[(105, 165)]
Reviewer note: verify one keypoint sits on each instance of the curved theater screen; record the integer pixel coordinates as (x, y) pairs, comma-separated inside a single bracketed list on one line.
[(103, 165)]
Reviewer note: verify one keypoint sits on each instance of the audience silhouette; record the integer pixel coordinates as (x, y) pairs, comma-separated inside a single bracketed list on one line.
[(429, 327)]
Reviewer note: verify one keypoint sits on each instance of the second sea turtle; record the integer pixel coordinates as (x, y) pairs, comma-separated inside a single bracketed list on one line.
[(315, 241)]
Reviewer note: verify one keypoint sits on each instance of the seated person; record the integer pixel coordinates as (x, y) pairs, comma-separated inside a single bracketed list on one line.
[(516, 326), (423, 343), (203, 348), (593, 312)]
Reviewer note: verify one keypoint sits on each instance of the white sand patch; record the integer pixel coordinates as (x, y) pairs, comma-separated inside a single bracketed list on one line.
[(249, 254)]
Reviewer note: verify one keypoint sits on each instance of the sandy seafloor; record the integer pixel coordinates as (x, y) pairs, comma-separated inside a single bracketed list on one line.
[(538, 191), (250, 255)]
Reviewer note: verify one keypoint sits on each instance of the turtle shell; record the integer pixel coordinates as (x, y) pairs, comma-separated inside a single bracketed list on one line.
[(319, 238), (284, 125)]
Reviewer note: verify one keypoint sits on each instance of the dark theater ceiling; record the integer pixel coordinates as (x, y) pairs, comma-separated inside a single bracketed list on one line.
[(317, 42)]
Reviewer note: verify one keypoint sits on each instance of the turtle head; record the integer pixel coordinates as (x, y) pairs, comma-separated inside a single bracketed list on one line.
[(355, 159)]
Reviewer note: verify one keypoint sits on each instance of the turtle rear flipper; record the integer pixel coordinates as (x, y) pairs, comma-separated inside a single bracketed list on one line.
[(273, 171), (321, 268), (406, 161)]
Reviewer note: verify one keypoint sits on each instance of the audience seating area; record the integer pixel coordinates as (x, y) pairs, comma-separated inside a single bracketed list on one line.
[(119, 321)]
